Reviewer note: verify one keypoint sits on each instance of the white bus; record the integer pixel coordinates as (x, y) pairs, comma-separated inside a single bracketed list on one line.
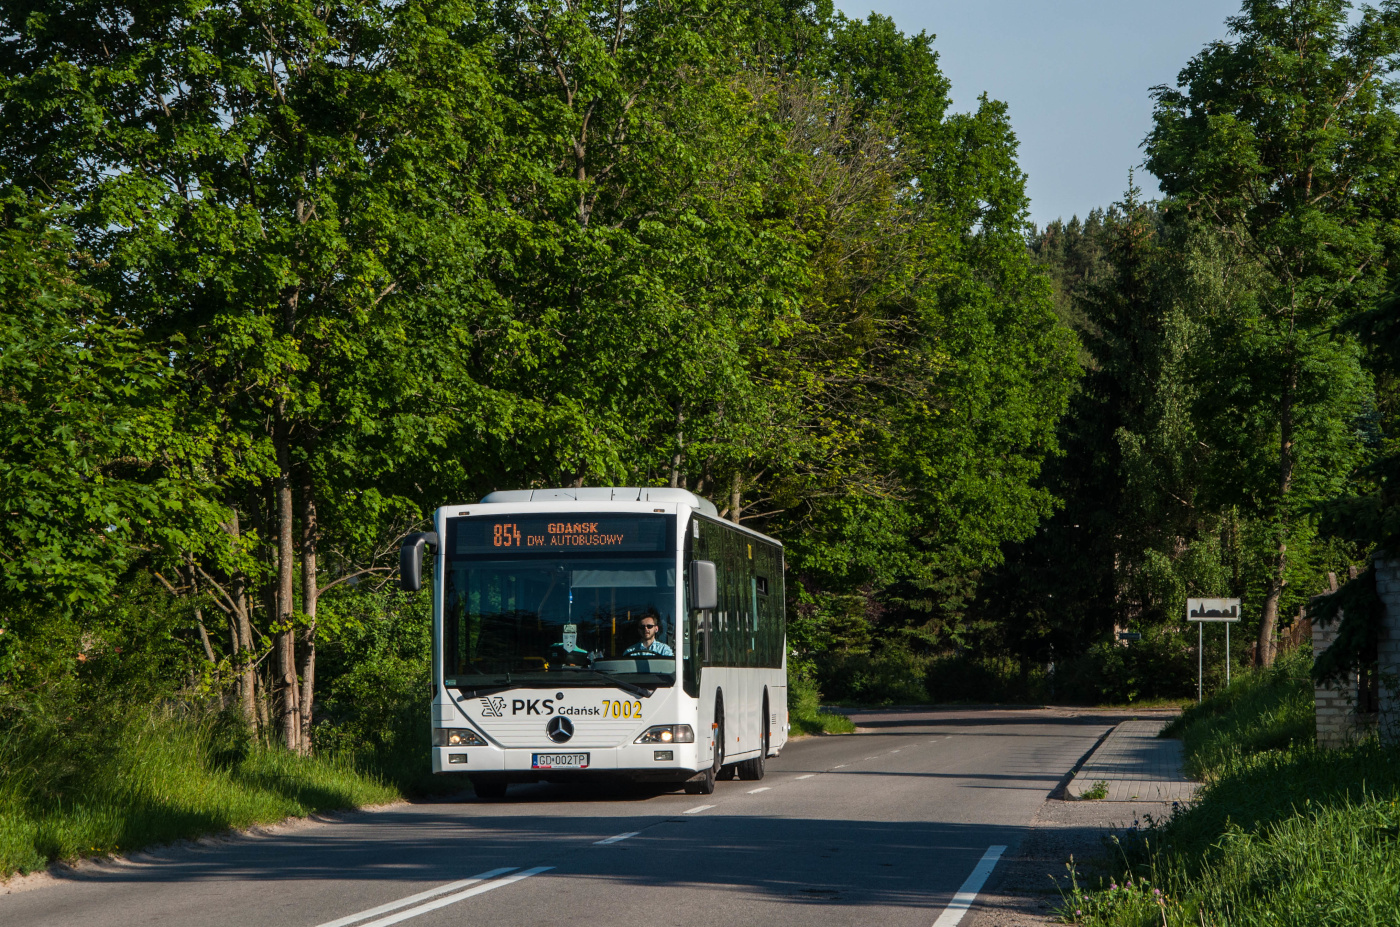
[(602, 631)]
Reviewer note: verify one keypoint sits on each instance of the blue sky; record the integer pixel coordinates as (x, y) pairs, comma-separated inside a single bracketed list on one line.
[(1075, 74)]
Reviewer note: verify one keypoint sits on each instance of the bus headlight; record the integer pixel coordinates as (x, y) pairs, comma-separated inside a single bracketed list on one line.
[(456, 737), (667, 734)]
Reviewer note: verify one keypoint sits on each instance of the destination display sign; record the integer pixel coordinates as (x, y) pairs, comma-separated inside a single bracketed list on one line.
[(554, 532)]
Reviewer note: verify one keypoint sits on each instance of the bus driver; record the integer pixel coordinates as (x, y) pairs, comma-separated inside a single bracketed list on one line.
[(649, 646)]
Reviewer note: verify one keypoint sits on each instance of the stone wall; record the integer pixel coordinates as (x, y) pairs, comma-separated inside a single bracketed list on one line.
[(1388, 648), (1337, 720)]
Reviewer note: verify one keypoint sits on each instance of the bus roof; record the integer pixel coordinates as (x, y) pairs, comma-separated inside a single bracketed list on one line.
[(606, 494)]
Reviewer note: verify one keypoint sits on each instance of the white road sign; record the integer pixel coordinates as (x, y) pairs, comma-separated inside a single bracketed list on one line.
[(1212, 609)]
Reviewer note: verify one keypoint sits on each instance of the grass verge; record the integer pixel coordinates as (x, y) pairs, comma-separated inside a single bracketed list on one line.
[(806, 714), (158, 779), (1283, 833)]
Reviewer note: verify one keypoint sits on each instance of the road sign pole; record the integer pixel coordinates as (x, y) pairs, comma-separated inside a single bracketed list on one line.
[(1200, 660), (1225, 611)]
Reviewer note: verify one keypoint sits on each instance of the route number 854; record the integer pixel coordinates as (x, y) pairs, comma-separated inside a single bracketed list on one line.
[(613, 709), (505, 535)]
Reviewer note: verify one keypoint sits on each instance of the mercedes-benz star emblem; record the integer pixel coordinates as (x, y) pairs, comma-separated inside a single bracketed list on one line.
[(559, 729)]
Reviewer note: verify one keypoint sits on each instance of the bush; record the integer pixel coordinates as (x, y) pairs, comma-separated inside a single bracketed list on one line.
[(1160, 666), (374, 705), (890, 675), (805, 712), (971, 678)]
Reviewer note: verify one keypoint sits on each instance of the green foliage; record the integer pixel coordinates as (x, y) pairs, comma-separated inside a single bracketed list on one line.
[(1282, 141), (374, 707), (983, 678), (1266, 709), (1359, 614), (1096, 792), (889, 675), (1162, 665), (113, 784), (805, 712)]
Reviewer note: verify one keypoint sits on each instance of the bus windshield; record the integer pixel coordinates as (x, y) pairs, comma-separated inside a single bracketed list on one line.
[(559, 620)]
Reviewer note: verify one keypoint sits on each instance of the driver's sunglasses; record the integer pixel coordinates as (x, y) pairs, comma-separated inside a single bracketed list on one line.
[(648, 626)]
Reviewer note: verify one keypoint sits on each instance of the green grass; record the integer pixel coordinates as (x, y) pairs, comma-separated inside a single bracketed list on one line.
[(1098, 791), (1282, 834), (806, 714), (1270, 709), (157, 779)]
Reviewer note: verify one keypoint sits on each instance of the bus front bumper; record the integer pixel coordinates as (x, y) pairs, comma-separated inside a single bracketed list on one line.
[(665, 760)]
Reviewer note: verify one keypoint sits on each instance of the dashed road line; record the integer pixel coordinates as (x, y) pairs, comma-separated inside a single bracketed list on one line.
[(618, 839), (808, 776), (762, 789), (698, 809)]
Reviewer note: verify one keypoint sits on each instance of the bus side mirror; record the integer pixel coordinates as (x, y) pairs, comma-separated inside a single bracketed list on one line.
[(411, 559), (704, 590)]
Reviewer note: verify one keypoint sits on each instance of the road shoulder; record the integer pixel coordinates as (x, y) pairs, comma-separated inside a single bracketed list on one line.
[(1028, 887), (67, 870), (1142, 782)]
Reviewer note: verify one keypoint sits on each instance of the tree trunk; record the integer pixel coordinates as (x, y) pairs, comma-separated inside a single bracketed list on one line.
[(243, 633), (308, 603), (1268, 624), (204, 637), (736, 497), (679, 457), (289, 714), (246, 672)]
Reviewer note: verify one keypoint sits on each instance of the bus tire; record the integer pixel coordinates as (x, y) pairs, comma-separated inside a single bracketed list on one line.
[(489, 788), (705, 783), (753, 770)]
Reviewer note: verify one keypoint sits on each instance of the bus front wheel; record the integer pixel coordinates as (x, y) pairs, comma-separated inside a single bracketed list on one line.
[(704, 784)]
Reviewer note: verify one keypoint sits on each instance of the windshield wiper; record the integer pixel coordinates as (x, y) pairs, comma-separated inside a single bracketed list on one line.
[(629, 687)]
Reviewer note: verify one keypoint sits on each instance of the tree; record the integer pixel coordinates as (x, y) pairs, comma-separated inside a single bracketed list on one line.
[(254, 182), (89, 463), (1283, 141)]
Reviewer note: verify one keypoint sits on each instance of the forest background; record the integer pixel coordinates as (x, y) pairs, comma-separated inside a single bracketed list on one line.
[(279, 278)]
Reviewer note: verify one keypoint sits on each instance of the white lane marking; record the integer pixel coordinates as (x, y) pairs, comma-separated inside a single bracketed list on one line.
[(698, 810), (763, 789), (808, 776), (968, 893), (453, 899), (413, 899), (617, 839), (842, 766), (876, 757), (894, 751)]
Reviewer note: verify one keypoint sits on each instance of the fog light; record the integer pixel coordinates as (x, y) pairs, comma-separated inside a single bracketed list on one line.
[(663, 755), (457, 758), (456, 737), (667, 733)]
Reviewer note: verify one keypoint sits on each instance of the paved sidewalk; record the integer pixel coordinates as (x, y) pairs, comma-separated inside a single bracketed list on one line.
[(1135, 765)]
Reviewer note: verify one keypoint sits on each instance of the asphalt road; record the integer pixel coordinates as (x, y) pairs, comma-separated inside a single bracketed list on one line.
[(881, 827)]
